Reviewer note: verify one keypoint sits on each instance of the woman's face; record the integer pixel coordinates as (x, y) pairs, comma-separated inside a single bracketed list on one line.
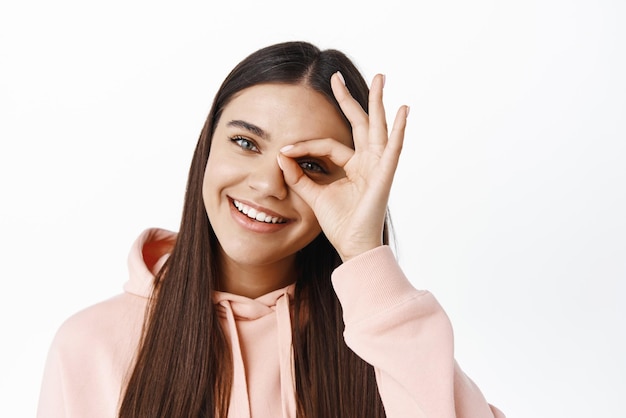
[(257, 219)]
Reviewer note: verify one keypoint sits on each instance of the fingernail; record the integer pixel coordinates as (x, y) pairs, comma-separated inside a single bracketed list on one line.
[(408, 109), (384, 79), (279, 164), (286, 148), (343, 80)]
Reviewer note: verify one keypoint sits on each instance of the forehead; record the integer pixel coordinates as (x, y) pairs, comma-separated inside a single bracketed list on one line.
[(287, 111)]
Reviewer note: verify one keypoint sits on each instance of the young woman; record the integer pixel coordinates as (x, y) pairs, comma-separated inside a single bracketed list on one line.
[(279, 296)]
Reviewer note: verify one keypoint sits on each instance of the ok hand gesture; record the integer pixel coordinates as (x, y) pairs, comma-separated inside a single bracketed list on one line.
[(351, 210)]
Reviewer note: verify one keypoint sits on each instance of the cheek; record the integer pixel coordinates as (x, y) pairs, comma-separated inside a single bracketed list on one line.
[(208, 181), (217, 175)]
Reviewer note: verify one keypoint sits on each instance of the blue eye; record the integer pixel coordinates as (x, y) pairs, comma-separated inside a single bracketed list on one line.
[(312, 167), (244, 143)]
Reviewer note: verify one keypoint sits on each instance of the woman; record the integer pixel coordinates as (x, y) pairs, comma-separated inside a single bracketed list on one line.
[(236, 315)]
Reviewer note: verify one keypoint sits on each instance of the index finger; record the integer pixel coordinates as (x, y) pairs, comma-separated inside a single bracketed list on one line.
[(356, 115)]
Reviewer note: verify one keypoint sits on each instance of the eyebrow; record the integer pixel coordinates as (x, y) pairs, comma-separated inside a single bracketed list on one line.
[(249, 127)]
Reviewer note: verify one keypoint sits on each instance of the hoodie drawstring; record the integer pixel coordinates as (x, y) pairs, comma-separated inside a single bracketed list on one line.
[(285, 357), (239, 401)]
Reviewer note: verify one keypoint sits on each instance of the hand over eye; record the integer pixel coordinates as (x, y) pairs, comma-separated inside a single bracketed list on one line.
[(351, 209)]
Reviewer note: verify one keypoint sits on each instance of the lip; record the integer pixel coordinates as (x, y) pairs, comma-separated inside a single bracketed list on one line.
[(252, 224)]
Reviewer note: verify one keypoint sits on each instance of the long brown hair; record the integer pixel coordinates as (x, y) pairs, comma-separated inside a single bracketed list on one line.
[(184, 365)]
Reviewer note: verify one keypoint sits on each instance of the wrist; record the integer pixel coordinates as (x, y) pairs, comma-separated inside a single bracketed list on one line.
[(355, 251)]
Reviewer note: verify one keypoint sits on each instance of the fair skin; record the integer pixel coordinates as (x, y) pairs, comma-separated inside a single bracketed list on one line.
[(283, 155)]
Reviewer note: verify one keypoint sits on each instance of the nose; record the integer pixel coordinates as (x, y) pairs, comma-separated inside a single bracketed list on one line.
[(266, 178)]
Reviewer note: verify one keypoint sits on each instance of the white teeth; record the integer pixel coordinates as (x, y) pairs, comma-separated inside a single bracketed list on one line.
[(254, 214)]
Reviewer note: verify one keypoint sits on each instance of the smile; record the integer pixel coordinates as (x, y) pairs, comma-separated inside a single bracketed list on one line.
[(256, 215)]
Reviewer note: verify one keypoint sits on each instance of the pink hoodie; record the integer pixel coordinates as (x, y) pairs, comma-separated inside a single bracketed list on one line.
[(401, 331)]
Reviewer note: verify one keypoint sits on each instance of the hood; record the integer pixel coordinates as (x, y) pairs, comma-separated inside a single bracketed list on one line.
[(147, 255)]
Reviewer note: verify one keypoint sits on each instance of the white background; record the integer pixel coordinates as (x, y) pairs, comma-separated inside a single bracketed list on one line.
[(509, 200)]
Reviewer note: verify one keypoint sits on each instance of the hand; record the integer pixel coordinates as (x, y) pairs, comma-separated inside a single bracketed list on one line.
[(351, 210)]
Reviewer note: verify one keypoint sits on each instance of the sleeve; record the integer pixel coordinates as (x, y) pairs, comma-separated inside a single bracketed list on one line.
[(406, 335), (51, 396), (89, 358)]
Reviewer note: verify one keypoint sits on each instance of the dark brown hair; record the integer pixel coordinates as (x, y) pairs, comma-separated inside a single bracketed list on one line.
[(184, 365)]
